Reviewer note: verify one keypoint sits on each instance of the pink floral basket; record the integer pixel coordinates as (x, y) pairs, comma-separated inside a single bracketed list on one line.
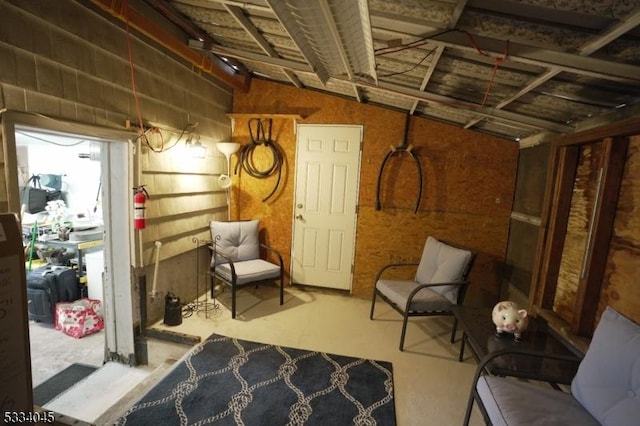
[(79, 318)]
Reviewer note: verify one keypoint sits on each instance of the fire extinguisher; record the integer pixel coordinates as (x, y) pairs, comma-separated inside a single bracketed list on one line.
[(140, 196)]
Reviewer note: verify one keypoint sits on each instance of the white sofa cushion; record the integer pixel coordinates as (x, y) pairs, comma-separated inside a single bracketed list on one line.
[(238, 240), (250, 271), (426, 300), (509, 401), (607, 383), (442, 263)]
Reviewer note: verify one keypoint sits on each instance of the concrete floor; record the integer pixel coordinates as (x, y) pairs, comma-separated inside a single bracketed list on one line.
[(431, 386)]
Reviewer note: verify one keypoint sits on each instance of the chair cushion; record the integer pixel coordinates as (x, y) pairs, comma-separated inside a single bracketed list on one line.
[(509, 401), (238, 240), (442, 263), (397, 291), (607, 383), (249, 271)]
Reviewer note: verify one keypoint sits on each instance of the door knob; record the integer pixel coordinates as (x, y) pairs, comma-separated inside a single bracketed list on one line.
[(299, 216), (299, 205)]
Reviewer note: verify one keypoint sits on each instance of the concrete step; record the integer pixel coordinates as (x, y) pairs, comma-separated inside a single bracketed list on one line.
[(92, 397)]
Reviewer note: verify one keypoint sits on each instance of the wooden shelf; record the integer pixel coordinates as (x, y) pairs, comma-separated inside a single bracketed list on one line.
[(251, 115), (233, 116)]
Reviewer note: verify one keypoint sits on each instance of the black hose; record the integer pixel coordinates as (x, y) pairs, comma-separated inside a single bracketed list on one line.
[(390, 154), (246, 156), (386, 158)]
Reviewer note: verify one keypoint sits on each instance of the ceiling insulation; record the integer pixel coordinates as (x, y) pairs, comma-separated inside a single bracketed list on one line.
[(511, 68)]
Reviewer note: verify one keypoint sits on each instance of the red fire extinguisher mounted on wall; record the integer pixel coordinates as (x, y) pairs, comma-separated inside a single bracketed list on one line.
[(140, 196)]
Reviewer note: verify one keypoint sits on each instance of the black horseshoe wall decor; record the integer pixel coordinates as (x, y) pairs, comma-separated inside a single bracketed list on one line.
[(397, 151)]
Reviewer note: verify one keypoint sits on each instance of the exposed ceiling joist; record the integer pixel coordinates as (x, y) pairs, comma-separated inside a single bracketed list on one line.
[(253, 57), (121, 10), (484, 111), (617, 30), (569, 62), (434, 61), (291, 23), (505, 67), (532, 85), (253, 32), (596, 43)]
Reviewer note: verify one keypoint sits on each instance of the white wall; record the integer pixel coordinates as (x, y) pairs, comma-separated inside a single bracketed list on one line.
[(51, 154)]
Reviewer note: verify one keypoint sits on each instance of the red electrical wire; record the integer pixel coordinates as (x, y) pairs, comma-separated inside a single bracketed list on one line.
[(143, 134), (496, 64), (425, 40)]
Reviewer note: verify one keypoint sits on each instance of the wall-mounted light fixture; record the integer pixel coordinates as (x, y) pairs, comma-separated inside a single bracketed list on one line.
[(195, 148)]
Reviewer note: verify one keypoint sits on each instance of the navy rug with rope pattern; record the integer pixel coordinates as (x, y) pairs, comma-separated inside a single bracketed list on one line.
[(231, 381)]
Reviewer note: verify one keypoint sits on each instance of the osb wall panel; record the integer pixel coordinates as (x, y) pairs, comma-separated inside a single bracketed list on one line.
[(581, 210), (621, 289), (468, 183), (248, 192)]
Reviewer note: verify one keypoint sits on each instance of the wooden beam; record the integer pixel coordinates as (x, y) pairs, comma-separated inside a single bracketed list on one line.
[(559, 214), (217, 68), (601, 228)]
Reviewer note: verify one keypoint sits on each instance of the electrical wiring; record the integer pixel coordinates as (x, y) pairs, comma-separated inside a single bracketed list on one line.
[(410, 69), (182, 133), (158, 133), (143, 132), (50, 141), (143, 136), (496, 64), (425, 40), (416, 43), (187, 130)]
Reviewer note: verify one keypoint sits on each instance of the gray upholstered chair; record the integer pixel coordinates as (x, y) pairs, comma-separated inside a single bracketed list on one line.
[(604, 391), (440, 283), (236, 259)]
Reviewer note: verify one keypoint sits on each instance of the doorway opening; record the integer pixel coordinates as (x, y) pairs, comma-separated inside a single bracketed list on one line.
[(91, 166), (69, 169)]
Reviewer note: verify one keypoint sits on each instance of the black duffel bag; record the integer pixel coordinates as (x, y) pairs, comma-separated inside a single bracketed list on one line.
[(35, 198)]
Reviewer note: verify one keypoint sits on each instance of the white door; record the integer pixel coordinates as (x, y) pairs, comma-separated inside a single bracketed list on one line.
[(325, 205)]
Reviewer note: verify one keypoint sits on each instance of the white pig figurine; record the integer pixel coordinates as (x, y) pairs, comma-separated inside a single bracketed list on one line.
[(508, 317)]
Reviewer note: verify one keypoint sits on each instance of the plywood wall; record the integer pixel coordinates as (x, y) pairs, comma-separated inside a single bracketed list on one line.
[(468, 181), (575, 312), (580, 217), (620, 287)]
